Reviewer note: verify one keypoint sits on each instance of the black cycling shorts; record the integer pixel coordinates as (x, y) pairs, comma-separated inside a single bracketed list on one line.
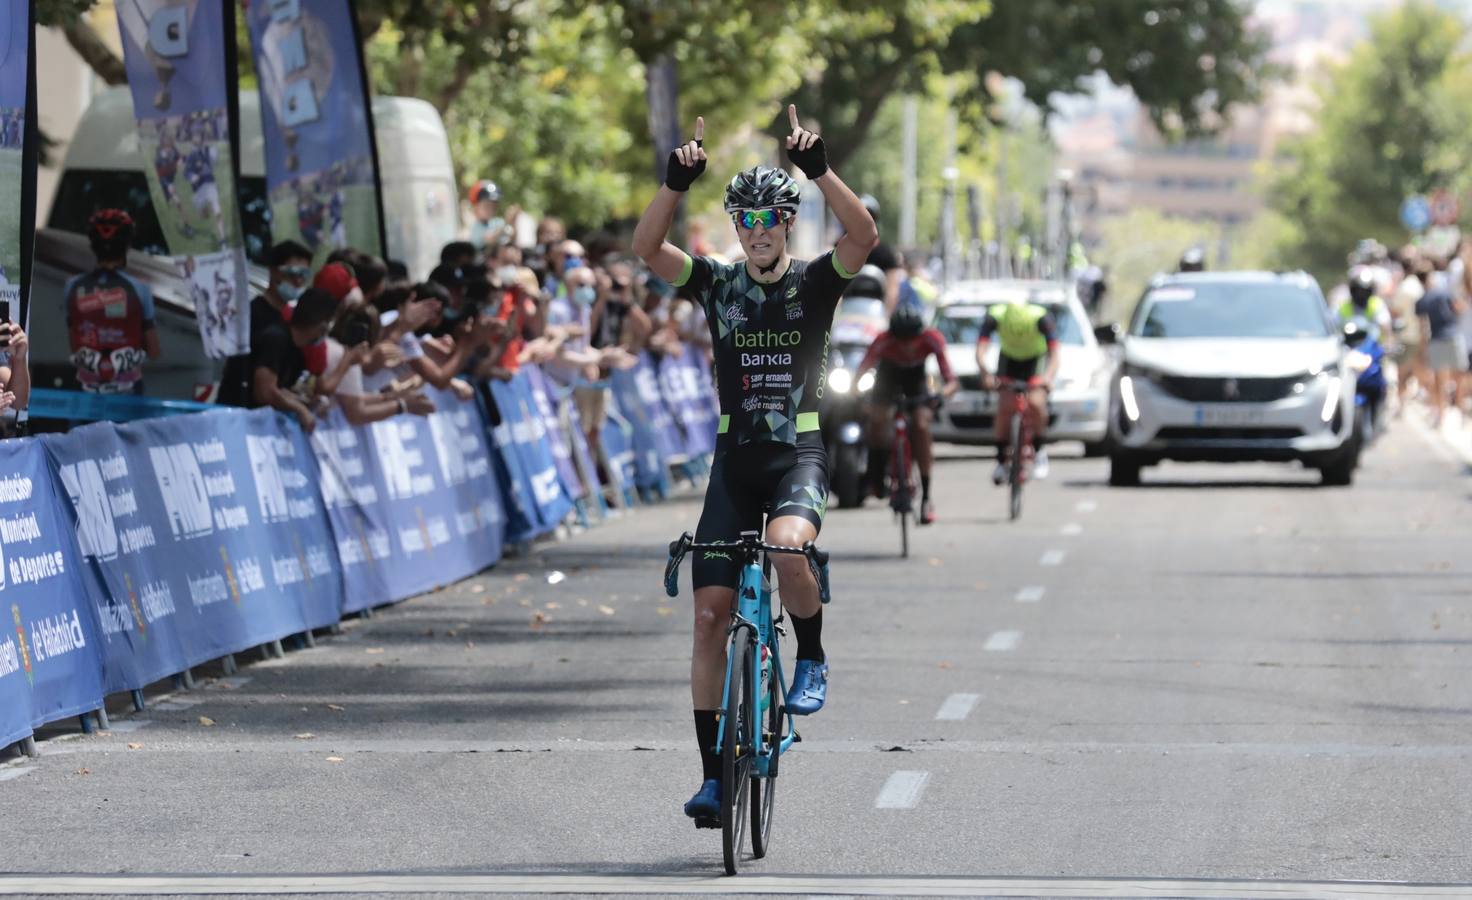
[(793, 479), (1019, 369), (892, 382)]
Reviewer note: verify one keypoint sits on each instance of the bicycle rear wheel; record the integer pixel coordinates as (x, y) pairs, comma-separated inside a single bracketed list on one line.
[(736, 749), (1014, 473), (764, 790)]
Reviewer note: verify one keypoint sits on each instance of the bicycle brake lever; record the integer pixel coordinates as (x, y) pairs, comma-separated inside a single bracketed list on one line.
[(678, 548), (818, 562)]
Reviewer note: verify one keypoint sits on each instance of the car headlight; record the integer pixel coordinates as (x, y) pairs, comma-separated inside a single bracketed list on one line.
[(866, 382), (840, 380)]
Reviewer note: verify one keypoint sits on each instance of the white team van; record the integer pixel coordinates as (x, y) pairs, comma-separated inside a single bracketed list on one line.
[(103, 169)]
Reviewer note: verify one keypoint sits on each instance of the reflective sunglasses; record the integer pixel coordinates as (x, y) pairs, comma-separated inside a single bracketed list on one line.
[(767, 218)]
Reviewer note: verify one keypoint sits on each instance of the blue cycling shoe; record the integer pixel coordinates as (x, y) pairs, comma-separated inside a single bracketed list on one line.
[(705, 806), (809, 687)]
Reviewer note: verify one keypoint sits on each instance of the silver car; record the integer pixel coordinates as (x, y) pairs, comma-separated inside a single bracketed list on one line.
[(1239, 366), (1079, 403)]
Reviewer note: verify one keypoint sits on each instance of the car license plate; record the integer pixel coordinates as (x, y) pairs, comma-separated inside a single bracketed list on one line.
[(1228, 415)]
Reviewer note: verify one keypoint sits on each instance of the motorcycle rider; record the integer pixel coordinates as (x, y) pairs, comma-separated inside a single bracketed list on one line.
[(1193, 260), (1363, 303)]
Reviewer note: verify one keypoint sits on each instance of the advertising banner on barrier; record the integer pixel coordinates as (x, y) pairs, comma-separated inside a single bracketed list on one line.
[(679, 383), (535, 500), (207, 529), (413, 500), (321, 160), (17, 158), (549, 406), (667, 433), (180, 59), (49, 666), (650, 463)]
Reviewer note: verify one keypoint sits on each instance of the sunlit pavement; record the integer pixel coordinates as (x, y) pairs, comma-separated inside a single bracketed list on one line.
[(1228, 674)]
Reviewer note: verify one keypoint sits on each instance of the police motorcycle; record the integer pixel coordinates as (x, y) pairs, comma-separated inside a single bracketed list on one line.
[(843, 407), (1366, 360)]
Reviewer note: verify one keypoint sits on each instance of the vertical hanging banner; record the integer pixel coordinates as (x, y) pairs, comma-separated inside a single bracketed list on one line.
[(17, 158), (321, 160), (180, 58)]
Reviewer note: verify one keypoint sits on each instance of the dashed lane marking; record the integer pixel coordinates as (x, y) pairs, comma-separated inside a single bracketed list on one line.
[(957, 707), (1031, 594), (1086, 506), (1052, 558), (902, 790), (1071, 529), (1002, 641), (12, 772)]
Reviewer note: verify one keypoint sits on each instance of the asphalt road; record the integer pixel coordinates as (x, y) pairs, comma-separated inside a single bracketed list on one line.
[(1224, 678)]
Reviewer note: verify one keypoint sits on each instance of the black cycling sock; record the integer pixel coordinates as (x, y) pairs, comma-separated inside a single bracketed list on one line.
[(809, 633), (706, 733), (924, 487), (1037, 442)]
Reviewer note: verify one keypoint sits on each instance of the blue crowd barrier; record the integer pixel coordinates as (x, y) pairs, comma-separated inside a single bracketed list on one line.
[(133, 551)]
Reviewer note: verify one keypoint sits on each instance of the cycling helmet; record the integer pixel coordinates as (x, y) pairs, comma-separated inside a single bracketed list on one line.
[(871, 204), (1193, 260), (870, 282), (484, 190), (1356, 330), (762, 187), (906, 321), (1361, 285), (110, 231)]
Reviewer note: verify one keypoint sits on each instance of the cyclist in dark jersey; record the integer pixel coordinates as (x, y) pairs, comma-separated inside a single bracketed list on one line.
[(900, 354), (769, 318)]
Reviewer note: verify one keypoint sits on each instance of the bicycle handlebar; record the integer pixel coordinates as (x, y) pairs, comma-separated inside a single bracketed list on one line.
[(817, 559)]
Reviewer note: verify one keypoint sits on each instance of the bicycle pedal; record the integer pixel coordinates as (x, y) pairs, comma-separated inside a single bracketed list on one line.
[(707, 822)]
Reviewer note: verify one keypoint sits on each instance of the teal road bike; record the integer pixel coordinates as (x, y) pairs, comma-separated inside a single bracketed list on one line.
[(754, 727)]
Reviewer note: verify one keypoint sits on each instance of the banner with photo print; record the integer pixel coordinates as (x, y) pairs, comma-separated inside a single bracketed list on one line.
[(180, 60), (321, 162), (17, 158)]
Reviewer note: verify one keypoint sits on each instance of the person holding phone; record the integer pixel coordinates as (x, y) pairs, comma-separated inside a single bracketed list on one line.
[(349, 346)]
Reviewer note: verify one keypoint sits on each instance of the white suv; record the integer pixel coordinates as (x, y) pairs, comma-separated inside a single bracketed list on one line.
[(1233, 366)]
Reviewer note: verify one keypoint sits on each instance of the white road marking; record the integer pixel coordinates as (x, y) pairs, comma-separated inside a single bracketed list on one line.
[(10, 773), (1031, 594), (902, 790), (125, 726), (1086, 506), (957, 707), (176, 703), (769, 885), (1052, 558), (229, 683), (1002, 640), (1071, 529)]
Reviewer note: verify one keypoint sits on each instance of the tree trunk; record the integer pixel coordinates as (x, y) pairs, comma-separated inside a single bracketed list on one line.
[(96, 54)]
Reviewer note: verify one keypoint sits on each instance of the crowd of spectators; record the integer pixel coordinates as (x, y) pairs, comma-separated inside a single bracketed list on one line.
[(357, 334)]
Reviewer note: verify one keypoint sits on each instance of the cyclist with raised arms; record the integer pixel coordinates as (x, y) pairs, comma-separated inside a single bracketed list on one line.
[(900, 354), (769, 317), (1028, 338)]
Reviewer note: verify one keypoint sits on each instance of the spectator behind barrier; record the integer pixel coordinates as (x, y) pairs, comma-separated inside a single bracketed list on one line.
[(280, 378), (291, 266), (437, 360), (350, 347), (15, 374), (459, 253), (109, 314)]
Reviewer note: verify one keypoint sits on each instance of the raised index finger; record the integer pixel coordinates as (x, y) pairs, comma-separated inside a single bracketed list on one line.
[(700, 128), (792, 116)]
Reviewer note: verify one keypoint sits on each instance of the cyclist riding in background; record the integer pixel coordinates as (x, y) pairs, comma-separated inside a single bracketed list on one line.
[(900, 355), (769, 318), (1363, 302), (1028, 337)]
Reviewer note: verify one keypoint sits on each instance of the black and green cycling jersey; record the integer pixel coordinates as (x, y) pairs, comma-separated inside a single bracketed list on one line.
[(770, 343)]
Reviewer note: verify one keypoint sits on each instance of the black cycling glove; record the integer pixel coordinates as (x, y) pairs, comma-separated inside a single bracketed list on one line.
[(678, 176), (813, 161)]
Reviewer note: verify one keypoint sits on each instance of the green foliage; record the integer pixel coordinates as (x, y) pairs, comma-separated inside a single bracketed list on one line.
[(60, 12), (1142, 244), (1385, 131)]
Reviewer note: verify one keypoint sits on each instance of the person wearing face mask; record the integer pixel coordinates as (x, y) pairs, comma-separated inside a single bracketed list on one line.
[(291, 267)]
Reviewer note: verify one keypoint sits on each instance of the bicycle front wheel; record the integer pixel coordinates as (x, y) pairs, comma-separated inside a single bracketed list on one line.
[(737, 748), (1014, 474), (764, 790)]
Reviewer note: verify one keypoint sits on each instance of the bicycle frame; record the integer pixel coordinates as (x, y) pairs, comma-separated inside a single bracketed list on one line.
[(1020, 407), (754, 611)]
